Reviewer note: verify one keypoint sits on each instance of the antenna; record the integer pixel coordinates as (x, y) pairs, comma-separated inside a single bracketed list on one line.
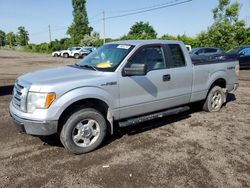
[(103, 13)]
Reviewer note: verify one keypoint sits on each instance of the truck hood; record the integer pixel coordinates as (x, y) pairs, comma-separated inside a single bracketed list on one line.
[(60, 75)]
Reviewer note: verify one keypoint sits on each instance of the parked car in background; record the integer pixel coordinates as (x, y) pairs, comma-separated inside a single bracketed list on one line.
[(70, 52), (204, 53), (86, 51), (56, 53), (189, 48), (241, 53)]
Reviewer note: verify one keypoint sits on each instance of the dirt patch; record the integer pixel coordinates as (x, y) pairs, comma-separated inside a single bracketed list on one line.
[(196, 149)]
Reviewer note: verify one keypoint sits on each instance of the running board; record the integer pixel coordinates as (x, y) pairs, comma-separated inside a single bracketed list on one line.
[(161, 114)]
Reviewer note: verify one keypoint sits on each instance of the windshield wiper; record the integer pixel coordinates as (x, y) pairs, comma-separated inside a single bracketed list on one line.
[(87, 66)]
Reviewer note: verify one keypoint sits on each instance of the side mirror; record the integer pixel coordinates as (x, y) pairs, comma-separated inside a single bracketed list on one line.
[(135, 70)]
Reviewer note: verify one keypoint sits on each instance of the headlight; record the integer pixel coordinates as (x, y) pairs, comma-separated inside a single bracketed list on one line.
[(39, 101)]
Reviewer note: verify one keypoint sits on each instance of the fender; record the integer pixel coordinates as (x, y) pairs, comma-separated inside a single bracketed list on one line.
[(84, 93), (220, 74)]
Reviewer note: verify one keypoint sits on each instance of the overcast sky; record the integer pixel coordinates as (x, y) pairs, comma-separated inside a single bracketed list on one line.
[(189, 18)]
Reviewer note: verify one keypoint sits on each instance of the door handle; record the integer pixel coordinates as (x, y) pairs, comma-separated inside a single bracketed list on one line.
[(166, 78)]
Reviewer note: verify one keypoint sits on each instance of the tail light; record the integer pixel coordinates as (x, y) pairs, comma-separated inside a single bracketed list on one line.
[(237, 70)]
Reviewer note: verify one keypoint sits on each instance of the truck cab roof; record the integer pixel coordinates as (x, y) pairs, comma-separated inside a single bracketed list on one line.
[(146, 42)]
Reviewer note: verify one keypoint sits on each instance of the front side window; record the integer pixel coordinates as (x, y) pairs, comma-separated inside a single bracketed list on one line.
[(106, 58), (177, 55), (246, 52), (201, 51), (151, 56)]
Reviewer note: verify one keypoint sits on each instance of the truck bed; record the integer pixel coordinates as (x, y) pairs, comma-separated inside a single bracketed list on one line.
[(212, 61)]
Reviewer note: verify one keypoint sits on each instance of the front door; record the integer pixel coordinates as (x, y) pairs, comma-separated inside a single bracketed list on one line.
[(156, 90)]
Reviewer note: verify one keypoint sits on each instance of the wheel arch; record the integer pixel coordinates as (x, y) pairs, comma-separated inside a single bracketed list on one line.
[(218, 78), (219, 82), (95, 103)]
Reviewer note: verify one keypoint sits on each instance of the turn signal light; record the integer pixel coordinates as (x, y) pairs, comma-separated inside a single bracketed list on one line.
[(49, 99)]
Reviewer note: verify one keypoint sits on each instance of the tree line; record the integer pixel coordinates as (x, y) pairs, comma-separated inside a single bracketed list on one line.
[(226, 32), (11, 39)]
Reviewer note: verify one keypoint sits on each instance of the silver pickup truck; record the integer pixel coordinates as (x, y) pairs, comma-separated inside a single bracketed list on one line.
[(127, 81)]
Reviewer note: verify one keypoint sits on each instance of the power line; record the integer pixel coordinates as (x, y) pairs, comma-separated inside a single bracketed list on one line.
[(148, 10), (131, 12), (143, 8)]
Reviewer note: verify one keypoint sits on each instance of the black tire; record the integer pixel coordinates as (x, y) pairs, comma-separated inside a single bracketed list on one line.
[(75, 132), (214, 100), (65, 55), (56, 55), (76, 56)]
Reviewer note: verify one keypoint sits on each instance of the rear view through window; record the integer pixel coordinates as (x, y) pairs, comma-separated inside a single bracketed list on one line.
[(177, 55)]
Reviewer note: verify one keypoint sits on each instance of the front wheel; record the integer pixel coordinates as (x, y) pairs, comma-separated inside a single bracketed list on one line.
[(214, 100), (84, 131)]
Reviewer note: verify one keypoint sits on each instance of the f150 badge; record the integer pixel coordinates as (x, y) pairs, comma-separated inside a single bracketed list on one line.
[(109, 84)]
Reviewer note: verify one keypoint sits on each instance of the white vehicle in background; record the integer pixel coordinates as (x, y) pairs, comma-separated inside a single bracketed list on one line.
[(56, 53), (189, 48), (70, 52), (85, 51)]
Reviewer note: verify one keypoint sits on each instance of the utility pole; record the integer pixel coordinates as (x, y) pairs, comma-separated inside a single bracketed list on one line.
[(247, 21), (49, 34), (103, 13), (25, 36)]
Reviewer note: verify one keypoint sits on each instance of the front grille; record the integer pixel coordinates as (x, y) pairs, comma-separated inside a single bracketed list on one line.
[(19, 96)]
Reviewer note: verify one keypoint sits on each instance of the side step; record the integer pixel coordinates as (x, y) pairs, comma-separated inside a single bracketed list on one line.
[(141, 119)]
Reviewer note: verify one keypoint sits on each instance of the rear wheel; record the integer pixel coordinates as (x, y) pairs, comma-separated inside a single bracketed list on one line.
[(214, 100), (84, 131), (65, 55), (76, 56), (56, 55)]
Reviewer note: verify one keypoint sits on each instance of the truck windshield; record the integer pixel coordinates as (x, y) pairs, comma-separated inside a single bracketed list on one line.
[(106, 58)]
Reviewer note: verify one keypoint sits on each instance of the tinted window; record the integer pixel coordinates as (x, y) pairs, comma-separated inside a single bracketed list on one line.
[(210, 50), (177, 55), (199, 51), (151, 56)]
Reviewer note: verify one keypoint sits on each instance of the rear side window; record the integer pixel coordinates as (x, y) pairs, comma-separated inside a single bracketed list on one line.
[(246, 52), (210, 50), (177, 55)]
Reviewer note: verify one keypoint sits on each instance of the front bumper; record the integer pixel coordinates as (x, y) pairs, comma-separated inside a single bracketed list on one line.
[(41, 128)]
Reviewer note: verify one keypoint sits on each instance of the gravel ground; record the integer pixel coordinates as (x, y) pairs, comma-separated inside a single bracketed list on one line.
[(195, 149)]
